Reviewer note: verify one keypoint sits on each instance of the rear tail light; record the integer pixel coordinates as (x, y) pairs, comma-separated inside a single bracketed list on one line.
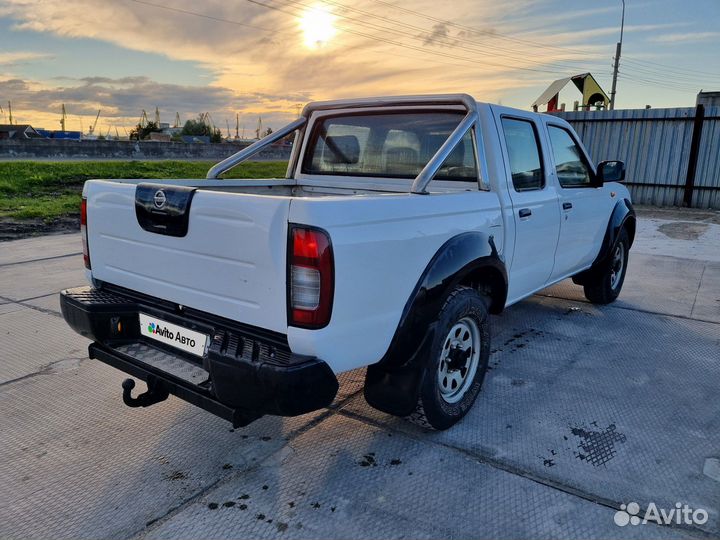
[(310, 277), (84, 233)]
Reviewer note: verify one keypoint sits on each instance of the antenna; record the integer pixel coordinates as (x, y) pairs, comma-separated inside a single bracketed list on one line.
[(157, 116), (10, 118), (63, 116), (228, 128), (177, 120), (258, 130), (237, 125)]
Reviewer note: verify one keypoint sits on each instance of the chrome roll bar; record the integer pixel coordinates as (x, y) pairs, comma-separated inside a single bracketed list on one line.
[(246, 153)]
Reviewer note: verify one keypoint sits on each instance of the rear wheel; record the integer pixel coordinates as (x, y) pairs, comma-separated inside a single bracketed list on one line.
[(604, 287), (457, 362)]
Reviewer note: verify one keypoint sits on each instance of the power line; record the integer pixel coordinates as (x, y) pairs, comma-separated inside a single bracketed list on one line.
[(449, 41), (479, 30), (654, 85), (670, 74), (555, 64), (405, 45), (660, 83), (203, 15), (667, 67), (669, 82), (641, 71)]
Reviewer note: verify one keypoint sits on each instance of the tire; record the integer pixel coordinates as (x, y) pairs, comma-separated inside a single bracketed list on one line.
[(605, 286), (452, 377)]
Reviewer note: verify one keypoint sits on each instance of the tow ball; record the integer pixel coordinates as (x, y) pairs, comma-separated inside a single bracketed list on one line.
[(156, 393)]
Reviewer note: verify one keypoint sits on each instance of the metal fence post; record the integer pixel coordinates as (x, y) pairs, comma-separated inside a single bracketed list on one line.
[(694, 154)]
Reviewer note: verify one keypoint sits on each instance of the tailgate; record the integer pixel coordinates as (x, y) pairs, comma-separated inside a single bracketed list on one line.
[(231, 261)]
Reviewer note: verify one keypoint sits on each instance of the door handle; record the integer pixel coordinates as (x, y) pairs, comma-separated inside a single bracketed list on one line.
[(567, 205), (525, 212)]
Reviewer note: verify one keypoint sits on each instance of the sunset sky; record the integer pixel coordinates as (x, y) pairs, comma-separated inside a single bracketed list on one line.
[(270, 56)]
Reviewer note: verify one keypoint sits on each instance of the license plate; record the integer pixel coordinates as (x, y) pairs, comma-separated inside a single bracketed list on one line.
[(173, 335)]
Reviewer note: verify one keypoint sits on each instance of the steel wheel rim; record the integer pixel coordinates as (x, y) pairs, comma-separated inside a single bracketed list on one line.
[(618, 261), (455, 382)]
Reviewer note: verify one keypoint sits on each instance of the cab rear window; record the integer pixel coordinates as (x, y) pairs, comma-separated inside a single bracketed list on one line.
[(388, 145)]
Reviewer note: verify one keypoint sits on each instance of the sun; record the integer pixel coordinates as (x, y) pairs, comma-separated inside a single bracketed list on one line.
[(317, 24)]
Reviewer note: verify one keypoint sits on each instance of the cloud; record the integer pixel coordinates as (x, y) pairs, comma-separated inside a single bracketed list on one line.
[(440, 32), (122, 100), (9, 59), (695, 37), (117, 97), (257, 62)]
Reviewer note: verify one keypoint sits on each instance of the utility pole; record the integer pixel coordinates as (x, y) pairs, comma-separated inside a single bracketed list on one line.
[(618, 50)]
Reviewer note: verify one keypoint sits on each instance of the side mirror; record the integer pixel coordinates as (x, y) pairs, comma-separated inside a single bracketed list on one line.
[(610, 171)]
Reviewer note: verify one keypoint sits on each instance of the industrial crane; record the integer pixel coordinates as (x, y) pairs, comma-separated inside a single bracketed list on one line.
[(92, 127), (143, 119)]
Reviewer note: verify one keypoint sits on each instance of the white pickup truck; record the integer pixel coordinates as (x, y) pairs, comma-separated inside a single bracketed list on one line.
[(401, 223)]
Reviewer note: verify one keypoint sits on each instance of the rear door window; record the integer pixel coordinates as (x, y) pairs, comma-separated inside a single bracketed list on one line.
[(526, 166)]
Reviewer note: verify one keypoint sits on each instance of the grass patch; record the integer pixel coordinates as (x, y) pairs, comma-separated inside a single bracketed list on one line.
[(48, 190)]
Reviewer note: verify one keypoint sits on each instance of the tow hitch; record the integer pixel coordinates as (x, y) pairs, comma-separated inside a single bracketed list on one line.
[(156, 393)]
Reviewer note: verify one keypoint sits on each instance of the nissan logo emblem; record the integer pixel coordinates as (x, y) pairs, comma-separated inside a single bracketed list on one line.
[(159, 199)]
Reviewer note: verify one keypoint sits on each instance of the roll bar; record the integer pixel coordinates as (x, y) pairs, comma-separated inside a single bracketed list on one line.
[(421, 181), (426, 175), (228, 163)]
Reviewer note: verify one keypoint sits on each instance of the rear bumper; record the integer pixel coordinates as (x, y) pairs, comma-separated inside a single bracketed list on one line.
[(245, 373)]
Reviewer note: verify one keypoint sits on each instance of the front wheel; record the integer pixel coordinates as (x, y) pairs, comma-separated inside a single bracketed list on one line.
[(604, 287), (457, 362)]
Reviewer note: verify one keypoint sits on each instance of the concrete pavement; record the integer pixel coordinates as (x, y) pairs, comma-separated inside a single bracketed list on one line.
[(585, 409)]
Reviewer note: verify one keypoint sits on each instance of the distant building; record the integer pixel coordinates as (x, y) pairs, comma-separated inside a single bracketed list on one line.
[(708, 99), (18, 131), (162, 137), (71, 135)]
